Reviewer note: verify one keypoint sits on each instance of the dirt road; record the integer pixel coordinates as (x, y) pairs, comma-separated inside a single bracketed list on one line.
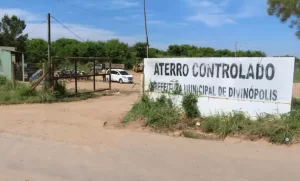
[(67, 141)]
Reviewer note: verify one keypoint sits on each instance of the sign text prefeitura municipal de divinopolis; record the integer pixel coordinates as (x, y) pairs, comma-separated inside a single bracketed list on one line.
[(254, 85)]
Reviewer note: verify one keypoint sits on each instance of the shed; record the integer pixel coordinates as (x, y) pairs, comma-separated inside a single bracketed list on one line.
[(11, 63)]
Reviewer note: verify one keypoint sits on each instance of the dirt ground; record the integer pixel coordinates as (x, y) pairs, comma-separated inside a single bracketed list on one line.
[(87, 85), (80, 122), (75, 141)]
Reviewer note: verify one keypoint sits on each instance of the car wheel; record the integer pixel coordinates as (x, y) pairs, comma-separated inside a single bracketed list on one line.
[(121, 81)]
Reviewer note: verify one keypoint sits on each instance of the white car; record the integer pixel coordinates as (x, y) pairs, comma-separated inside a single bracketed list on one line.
[(119, 75)]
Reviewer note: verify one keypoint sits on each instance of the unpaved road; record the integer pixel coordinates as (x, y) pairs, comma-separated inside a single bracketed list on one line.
[(67, 141)]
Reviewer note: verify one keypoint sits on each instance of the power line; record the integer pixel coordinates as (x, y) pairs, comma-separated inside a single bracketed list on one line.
[(67, 28), (90, 11), (37, 26)]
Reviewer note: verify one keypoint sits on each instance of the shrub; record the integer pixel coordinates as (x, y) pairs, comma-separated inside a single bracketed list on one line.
[(190, 107), (295, 104), (60, 88), (3, 80), (159, 113)]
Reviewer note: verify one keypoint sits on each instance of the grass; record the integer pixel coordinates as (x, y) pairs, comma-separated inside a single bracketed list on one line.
[(21, 94), (297, 76), (154, 111), (162, 114)]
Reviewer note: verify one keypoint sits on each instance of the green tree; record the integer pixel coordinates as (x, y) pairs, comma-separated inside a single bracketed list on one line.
[(65, 47), (117, 51), (284, 10), (36, 50), (140, 49), (11, 29)]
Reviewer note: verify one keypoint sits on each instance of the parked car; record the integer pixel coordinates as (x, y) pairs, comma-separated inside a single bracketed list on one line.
[(119, 75), (36, 76)]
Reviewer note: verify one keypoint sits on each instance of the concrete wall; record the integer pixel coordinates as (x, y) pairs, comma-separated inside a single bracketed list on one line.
[(5, 63)]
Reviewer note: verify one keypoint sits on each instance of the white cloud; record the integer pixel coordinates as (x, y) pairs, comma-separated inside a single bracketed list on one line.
[(135, 16), (84, 32), (182, 24), (155, 22), (220, 12), (27, 16), (124, 3)]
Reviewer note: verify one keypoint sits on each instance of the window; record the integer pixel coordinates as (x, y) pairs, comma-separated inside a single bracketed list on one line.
[(123, 73), (114, 72)]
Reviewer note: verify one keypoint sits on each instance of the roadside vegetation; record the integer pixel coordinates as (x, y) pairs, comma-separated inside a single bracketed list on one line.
[(297, 73), (162, 115), (21, 93)]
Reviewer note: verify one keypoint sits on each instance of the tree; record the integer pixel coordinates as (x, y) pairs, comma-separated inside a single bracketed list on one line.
[(117, 51), (140, 49), (11, 29), (36, 50), (284, 10)]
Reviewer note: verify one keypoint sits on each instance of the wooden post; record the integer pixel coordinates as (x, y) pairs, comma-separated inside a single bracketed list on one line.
[(23, 68), (51, 75), (109, 73), (13, 75), (47, 78), (143, 80), (75, 76), (94, 75)]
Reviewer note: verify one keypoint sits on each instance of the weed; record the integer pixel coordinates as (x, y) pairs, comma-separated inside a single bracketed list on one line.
[(295, 104), (21, 93), (189, 104), (161, 113), (190, 134), (158, 113), (3, 80)]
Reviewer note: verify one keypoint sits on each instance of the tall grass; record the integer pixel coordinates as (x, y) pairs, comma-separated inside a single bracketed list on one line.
[(21, 93), (158, 113), (161, 113)]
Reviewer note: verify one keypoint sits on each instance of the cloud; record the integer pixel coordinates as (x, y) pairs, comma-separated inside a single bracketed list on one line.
[(155, 22), (212, 20), (220, 12), (181, 24), (86, 32), (25, 15), (124, 3), (39, 30)]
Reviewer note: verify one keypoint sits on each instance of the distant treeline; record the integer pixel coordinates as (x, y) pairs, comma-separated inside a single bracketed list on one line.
[(120, 52)]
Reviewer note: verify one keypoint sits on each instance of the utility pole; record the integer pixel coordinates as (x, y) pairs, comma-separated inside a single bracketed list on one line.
[(147, 47), (49, 37), (235, 48), (146, 29), (47, 79)]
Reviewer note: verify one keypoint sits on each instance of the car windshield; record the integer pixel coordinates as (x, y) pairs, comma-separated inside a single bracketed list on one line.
[(123, 73)]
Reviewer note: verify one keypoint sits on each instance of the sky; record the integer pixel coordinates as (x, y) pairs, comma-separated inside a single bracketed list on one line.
[(206, 23)]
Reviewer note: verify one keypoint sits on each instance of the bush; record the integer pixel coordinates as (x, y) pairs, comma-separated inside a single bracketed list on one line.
[(190, 107), (161, 113), (158, 113), (295, 104), (21, 93), (60, 88), (276, 128), (3, 80)]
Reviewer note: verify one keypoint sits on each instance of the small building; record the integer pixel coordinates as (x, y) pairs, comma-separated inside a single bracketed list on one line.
[(12, 63)]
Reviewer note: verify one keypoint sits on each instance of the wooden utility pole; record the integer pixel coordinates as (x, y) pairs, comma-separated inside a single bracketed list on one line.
[(48, 77), (147, 47), (146, 29)]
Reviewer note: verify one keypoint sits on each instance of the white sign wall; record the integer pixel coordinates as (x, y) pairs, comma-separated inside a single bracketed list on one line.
[(254, 85)]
